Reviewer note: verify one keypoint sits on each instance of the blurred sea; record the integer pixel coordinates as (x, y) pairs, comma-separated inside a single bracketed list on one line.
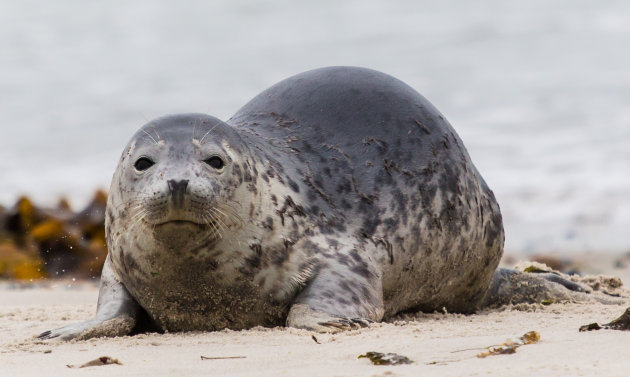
[(538, 90)]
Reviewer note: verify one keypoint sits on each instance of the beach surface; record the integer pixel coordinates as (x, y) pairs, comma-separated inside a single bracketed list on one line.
[(443, 344)]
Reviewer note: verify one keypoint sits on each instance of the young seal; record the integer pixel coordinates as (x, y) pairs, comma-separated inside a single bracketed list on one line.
[(337, 197)]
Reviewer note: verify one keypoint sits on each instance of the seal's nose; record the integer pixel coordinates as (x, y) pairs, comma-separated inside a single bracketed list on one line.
[(178, 189)]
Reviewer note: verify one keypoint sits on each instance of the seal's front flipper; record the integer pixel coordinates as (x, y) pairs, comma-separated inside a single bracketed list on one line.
[(512, 287), (117, 313), (301, 316), (344, 295)]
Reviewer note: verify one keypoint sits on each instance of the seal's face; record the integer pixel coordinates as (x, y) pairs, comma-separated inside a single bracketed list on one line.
[(174, 180)]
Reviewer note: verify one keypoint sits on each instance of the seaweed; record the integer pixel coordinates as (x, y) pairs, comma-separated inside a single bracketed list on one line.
[(378, 358), (22, 263), (510, 346), (36, 242), (103, 360), (549, 301), (534, 270), (621, 323), (590, 327)]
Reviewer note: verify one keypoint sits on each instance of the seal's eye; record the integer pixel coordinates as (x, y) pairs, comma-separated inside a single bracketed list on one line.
[(215, 162), (143, 163)]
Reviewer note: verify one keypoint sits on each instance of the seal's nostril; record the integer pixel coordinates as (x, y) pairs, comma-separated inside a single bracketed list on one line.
[(177, 189)]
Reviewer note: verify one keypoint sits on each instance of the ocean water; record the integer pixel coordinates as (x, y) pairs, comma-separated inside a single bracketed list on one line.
[(538, 90)]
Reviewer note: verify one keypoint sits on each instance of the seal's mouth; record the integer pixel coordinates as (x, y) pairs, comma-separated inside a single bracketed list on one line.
[(183, 234), (182, 223)]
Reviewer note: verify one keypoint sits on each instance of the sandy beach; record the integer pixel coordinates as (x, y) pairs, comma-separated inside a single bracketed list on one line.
[(439, 344)]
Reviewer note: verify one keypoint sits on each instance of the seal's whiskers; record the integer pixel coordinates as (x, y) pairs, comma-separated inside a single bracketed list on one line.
[(149, 135)]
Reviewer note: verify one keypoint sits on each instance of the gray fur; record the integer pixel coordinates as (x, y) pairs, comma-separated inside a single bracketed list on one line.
[(345, 198)]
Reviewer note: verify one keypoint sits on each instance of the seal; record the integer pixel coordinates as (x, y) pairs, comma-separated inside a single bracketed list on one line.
[(337, 197)]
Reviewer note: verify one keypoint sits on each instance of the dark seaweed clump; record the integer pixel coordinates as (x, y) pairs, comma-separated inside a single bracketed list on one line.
[(622, 323), (37, 243), (378, 358)]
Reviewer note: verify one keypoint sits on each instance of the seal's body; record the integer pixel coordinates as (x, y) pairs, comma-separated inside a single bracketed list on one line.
[(390, 197), (336, 197)]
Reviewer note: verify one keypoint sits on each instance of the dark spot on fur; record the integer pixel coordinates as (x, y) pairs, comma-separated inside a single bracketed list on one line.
[(345, 204), (279, 256), (361, 270), (343, 259), (268, 223), (254, 259), (236, 171), (342, 301), (311, 248), (247, 176), (332, 242), (355, 255), (294, 186), (110, 214)]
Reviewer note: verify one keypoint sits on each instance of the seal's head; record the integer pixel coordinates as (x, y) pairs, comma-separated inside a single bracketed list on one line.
[(175, 180)]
